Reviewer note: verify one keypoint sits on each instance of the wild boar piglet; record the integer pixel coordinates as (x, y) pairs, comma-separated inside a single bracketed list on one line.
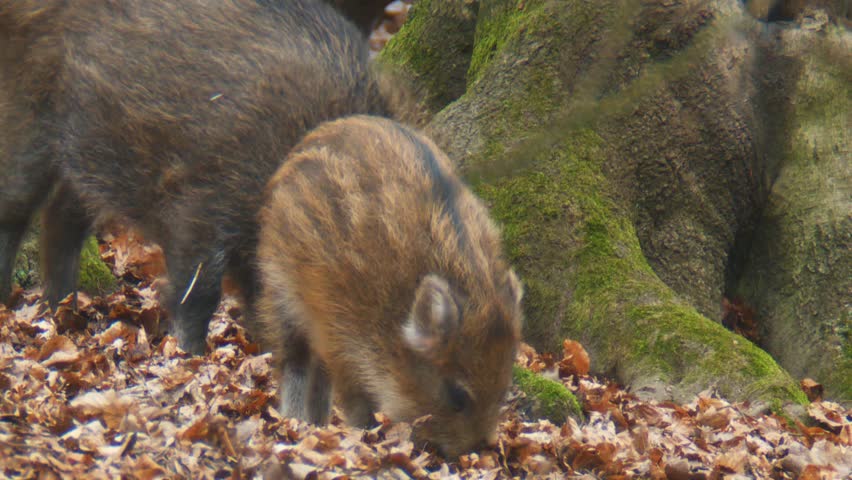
[(383, 281)]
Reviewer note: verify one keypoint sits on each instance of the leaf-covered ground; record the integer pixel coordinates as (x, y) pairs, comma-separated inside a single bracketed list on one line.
[(90, 394)]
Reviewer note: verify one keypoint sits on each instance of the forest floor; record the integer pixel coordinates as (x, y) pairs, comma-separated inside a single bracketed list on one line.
[(88, 392), (91, 394)]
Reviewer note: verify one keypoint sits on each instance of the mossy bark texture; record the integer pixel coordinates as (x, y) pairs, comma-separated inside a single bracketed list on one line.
[(798, 275), (434, 49), (625, 149)]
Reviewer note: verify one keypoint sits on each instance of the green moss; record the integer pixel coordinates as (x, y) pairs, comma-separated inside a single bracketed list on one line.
[(551, 400), (704, 352), (503, 31), (536, 210), (433, 49), (25, 272), (560, 231), (499, 24), (586, 278), (505, 24), (574, 245), (402, 49), (95, 276)]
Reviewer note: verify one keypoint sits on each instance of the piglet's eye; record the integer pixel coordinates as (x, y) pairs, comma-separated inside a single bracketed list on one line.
[(457, 397)]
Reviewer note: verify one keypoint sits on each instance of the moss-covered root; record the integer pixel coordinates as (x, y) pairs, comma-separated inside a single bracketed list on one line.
[(568, 230), (586, 278), (95, 277), (545, 398), (433, 49)]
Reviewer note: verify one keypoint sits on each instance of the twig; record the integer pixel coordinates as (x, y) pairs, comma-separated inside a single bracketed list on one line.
[(192, 283)]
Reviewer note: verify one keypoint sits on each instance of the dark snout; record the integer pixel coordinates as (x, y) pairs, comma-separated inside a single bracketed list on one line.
[(451, 445)]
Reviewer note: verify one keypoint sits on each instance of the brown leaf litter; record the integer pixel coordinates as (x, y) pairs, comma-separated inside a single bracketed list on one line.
[(88, 392)]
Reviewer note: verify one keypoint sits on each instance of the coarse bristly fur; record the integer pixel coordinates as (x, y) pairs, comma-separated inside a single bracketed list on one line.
[(171, 114), (382, 276)]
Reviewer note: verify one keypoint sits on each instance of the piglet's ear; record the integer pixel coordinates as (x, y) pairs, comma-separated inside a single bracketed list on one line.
[(516, 289), (434, 316)]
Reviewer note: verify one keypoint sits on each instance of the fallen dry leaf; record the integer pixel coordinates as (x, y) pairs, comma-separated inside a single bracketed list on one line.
[(812, 389), (58, 350), (575, 359)]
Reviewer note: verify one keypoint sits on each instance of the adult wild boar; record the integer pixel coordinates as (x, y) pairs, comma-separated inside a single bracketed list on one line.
[(170, 114)]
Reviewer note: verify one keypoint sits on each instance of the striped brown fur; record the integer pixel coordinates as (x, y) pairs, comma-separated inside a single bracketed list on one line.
[(364, 219)]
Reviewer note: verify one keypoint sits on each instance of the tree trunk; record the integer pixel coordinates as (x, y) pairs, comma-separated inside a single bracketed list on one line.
[(621, 145), (434, 49), (798, 275)]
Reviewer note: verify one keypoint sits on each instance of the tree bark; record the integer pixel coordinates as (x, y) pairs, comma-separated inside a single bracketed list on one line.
[(623, 147), (798, 274), (434, 49)]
